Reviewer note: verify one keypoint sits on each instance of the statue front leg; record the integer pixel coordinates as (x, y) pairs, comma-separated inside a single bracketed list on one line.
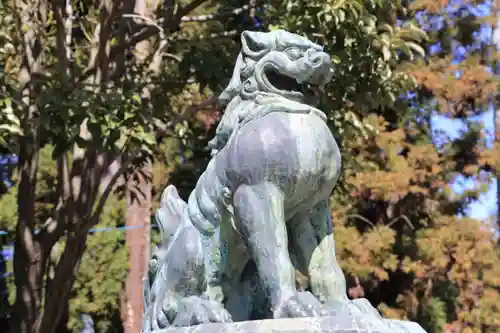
[(314, 246), (260, 219)]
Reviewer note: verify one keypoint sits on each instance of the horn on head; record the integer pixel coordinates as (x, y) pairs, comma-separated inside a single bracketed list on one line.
[(255, 44)]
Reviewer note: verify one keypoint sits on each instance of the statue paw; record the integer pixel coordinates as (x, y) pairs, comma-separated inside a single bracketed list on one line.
[(359, 306), (301, 304), (195, 311)]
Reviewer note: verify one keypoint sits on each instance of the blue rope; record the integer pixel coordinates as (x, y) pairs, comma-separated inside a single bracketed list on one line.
[(95, 230), (7, 253)]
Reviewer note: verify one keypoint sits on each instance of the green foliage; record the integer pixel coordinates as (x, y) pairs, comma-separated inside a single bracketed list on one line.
[(8, 218), (364, 42), (434, 315), (8, 213), (103, 270), (104, 266), (9, 123), (444, 264)]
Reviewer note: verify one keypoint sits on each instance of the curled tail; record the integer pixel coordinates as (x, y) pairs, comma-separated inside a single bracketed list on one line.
[(208, 200), (169, 216), (168, 219), (203, 211)]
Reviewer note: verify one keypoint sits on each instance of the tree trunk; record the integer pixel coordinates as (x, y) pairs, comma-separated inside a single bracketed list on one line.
[(29, 255), (60, 287), (138, 217), (4, 293), (28, 274)]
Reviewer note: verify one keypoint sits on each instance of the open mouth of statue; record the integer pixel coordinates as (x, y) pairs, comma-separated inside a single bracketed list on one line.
[(286, 83)]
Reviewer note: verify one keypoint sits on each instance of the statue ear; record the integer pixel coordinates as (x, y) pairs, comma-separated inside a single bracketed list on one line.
[(255, 44), (233, 87)]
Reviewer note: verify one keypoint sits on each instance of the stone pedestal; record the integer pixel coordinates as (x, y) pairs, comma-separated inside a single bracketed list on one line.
[(354, 317)]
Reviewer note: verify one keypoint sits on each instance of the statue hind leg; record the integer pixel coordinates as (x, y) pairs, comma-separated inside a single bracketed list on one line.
[(314, 247), (259, 211), (178, 290), (175, 296)]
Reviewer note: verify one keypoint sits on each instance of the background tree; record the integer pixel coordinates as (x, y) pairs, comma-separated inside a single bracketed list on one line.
[(102, 271), (71, 81), (496, 68), (440, 269)]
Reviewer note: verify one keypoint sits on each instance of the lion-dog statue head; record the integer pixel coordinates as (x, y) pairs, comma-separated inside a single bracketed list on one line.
[(276, 63)]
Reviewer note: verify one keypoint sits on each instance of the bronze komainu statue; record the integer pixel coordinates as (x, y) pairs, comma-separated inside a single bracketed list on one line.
[(260, 210)]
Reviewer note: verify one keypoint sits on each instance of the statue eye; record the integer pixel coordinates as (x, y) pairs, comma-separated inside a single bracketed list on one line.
[(294, 52)]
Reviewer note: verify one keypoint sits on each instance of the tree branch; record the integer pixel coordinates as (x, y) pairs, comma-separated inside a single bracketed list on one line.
[(54, 227), (101, 55), (122, 35), (108, 11), (151, 30), (60, 286), (362, 218), (124, 166), (183, 11), (147, 20), (216, 16), (95, 175), (138, 37), (187, 113), (404, 218), (224, 34), (63, 13), (163, 42)]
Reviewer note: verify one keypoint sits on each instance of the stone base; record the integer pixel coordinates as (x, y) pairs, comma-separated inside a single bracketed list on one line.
[(357, 316)]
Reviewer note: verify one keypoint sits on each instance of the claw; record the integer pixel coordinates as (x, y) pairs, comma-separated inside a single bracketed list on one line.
[(301, 304), (195, 311)]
